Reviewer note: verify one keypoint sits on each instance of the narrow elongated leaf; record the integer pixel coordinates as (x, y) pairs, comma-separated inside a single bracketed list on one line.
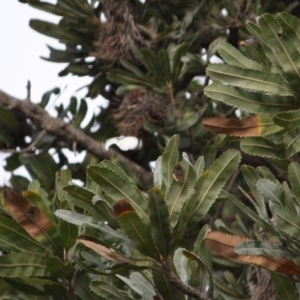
[(201, 250), (234, 57), (180, 191), (199, 204), (256, 31), (135, 229), (15, 238), (169, 160), (251, 214), (250, 79), (291, 27), (82, 288), (224, 245), (287, 221), (264, 248), (104, 251), (290, 119), (284, 287), (80, 197), (159, 222), (164, 62), (118, 188), (252, 178), (56, 31), (271, 191), (249, 101), (103, 230), (23, 265), (68, 233), (143, 284), (107, 291), (58, 268), (294, 176), (282, 47), (264, 147), (199, 165), (256, 125), (157, 176), (42, 168)]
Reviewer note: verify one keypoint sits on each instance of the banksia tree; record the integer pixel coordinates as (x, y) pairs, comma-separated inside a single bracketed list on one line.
[(218, 216)]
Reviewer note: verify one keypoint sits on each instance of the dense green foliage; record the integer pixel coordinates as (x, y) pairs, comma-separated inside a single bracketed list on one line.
[(225, 200)]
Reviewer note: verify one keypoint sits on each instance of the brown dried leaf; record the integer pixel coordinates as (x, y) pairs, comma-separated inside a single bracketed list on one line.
[(224, 244), (29, 217), (105, 252), (249, 126)]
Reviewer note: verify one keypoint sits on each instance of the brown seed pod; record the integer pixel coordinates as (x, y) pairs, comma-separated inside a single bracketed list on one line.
[(260, 285), (137, 108), (113, 40)]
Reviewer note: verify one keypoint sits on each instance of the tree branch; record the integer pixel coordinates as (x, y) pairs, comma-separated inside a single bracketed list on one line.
[(70, 133), (180, 285)]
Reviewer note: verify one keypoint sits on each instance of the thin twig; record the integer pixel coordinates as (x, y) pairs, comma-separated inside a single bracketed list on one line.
[(28, 148)]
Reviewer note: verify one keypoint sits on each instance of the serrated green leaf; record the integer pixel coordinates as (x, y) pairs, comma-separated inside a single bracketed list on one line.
[(252, 178), (270, 191), (250, 79), (291, 27), (68, 233), (282, 47), (159, 222), (249, 101), (59, 269), (284, 287), (23, 265), (180, 192), (234, 57), (199, 165), (252, 215), (264, 147), (56, 31), (125, 77), (287, 221), (135, 229), (169, 160), (157, 175), (118, 188), (294, 176), (42, 168), (218, 174), (289, 120), (104, 231), (82, 288), (264, 248), (106, 290), (80, 197), (164, 62), (17, 238)]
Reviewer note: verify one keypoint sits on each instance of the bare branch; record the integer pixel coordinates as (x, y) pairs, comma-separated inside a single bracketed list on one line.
[(68, 132)]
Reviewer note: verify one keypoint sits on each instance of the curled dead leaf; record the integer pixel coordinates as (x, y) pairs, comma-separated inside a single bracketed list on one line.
[(104, 251), (224, 244), (249, 126), (29, 217)]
